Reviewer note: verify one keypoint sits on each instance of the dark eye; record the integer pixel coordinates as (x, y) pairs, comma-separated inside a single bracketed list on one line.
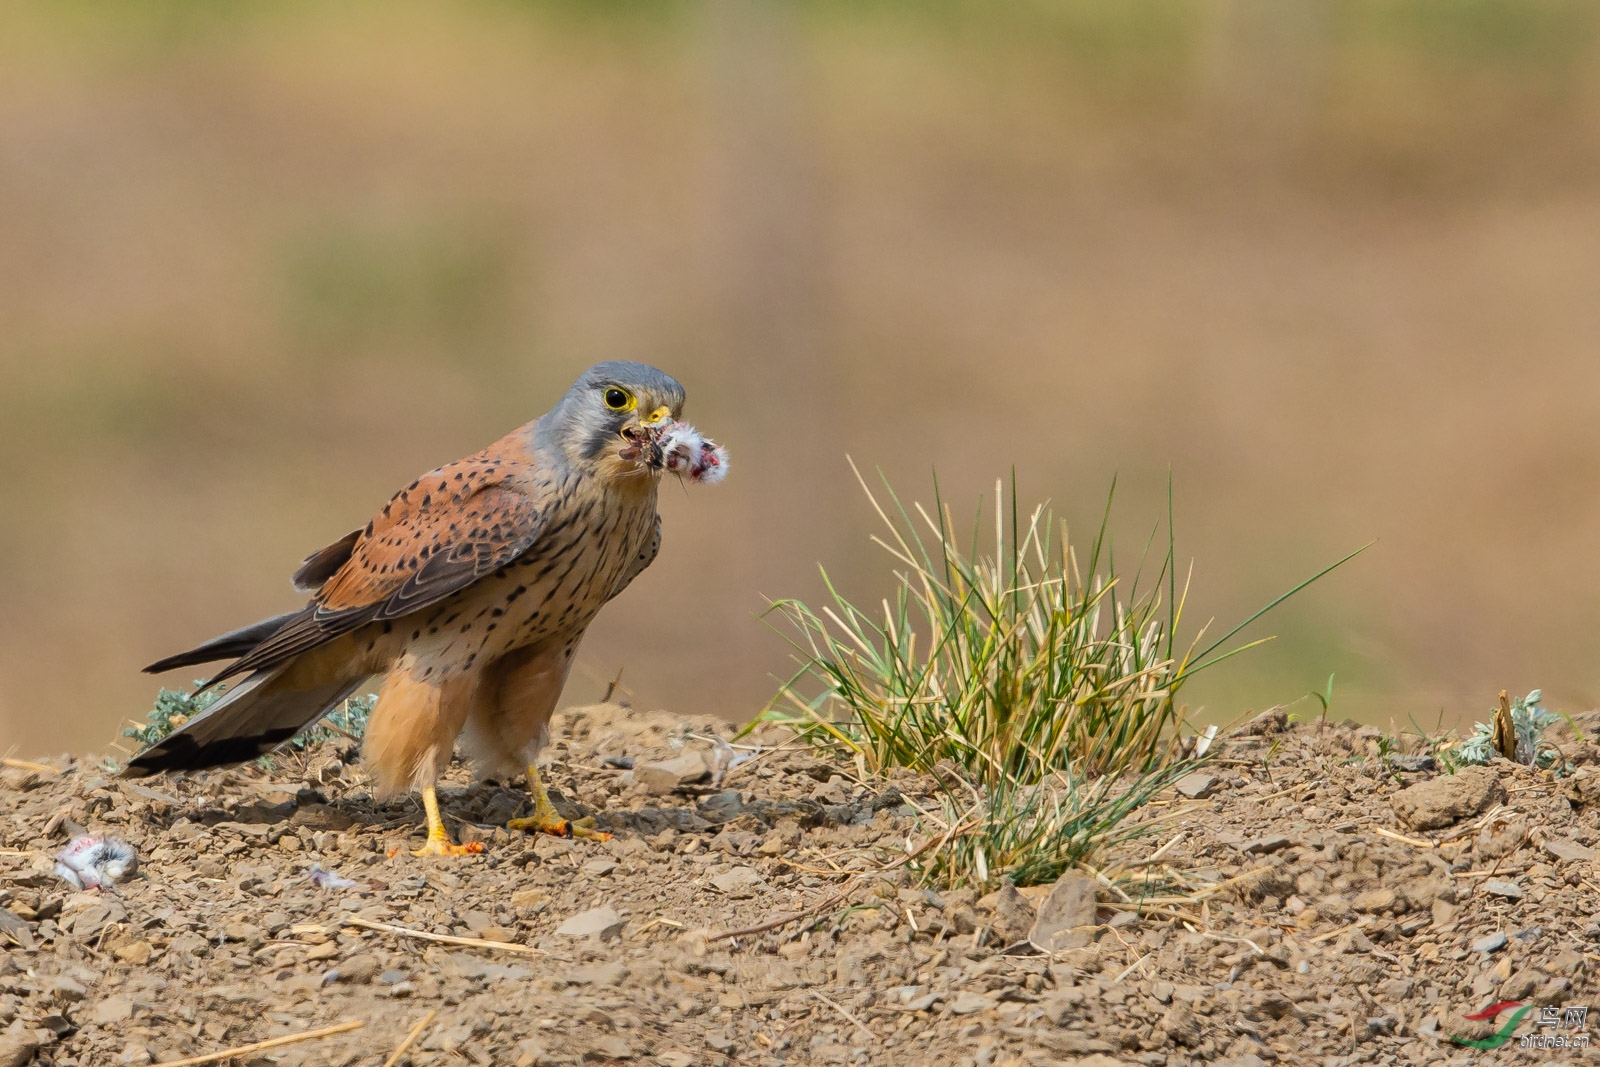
[(618, 399)]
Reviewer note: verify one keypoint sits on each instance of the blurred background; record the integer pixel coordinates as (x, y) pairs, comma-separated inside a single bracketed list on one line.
[(1334, 265)]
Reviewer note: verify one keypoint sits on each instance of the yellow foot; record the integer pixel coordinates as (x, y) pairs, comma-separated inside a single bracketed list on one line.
[(444, 847), (557, 826)]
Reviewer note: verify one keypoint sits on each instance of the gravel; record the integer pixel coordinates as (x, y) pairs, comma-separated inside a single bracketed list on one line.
[(1335, 946)]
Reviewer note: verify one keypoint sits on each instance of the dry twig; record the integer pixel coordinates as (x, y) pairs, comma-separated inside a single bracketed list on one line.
[(1419, 842), (443, 939), (410, 1039), (781, 920), (260, 1046), (25, 765), (836, 1007)]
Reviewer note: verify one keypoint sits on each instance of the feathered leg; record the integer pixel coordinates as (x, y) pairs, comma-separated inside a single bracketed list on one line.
[(510, 720), (410, 737)]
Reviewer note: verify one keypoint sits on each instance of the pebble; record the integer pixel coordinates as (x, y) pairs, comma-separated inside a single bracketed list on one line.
[(665, 776), (1196, 785), (1441, 801), (603, 923), (967, 1002), (1264, 845), (359, 969), (739, 882), (1510, 890), (1067, 916), (135, 952), (611, 1046), (1492, 943), (1565, 851), (113, 1009)]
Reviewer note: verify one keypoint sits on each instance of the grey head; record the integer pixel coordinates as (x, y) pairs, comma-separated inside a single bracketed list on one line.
[(592, 426)]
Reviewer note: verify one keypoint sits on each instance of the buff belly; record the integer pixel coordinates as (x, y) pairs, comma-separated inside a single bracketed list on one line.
[(491, 660)]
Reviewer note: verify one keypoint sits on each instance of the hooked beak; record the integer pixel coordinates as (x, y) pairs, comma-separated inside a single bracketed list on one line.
[(643, 438)]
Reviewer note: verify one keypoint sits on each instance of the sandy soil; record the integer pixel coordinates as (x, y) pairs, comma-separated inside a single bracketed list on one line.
[(1293, 916)]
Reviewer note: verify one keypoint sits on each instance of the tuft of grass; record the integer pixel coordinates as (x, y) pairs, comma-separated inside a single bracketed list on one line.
[(1015, 665), (1037, 684), (1031, 834)]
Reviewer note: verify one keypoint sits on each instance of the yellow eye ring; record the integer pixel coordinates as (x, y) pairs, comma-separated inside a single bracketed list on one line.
[(619, 399)]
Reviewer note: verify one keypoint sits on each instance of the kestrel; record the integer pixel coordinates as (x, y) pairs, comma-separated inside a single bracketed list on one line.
[(469, 592)]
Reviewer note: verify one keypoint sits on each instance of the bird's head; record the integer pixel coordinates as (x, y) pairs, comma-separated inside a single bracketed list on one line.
[(623, 420)]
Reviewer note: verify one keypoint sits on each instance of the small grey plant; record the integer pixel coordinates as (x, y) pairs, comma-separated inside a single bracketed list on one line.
[(1529, 720), (174, 707)]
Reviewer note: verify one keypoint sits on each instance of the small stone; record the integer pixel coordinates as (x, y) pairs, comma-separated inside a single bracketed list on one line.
[(392, 977), (723, 807), (1162, 991), (1374, 900), (1520, 984), (717, 1041), (1397, 989), (598, 868), (1247, 1059), (498, 933), (17, 1049), (113, 1009), (1441, 801), (359, 969), (325, 951), (134, 952), (1509, 890), (665, 776), (609, 1047), (85, 922), (1067, 916), (967, 1002), (599, 974), (529, 898), (68, 990), (1554, 991), (1196, 785), (674, 1058), (1262, 846), (1271, 721), (1492, 943), (740, 882), (1013, 913), (1181, 1025), (602, 923), (1565, 851)]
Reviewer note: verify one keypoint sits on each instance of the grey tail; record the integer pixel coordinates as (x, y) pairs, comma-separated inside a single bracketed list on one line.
[(258, 715), (230, 645)]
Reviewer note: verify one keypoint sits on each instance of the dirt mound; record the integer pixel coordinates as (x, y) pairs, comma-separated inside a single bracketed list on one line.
[(1287, 914)]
